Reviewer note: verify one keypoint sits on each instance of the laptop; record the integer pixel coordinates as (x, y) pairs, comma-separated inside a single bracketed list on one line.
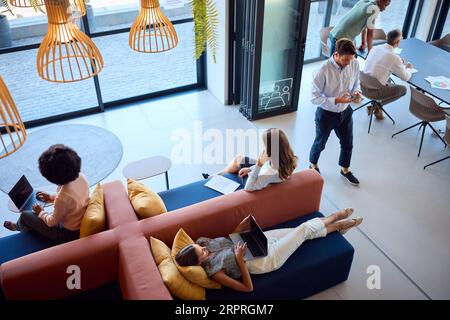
[(23, 195), (255, 238)]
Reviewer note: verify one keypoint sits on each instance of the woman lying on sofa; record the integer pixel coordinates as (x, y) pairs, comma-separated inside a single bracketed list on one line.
[(224, 262), (269, 168), (60, 165)]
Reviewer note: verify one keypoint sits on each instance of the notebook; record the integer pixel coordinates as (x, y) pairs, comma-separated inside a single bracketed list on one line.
[(255, 239), (222, 184)]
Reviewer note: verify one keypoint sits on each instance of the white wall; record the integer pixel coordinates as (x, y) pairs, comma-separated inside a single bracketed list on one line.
[(217, 72)]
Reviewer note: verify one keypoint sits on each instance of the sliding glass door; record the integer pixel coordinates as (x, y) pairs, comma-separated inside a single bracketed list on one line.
[(271, 39)]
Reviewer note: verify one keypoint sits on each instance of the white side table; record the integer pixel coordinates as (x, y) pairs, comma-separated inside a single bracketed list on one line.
[(148, 167)]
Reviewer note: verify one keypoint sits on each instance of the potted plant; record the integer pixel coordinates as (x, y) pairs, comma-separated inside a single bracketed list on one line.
[(5, 30)]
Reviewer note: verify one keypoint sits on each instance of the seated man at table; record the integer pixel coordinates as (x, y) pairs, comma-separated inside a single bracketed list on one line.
[(381, 62)]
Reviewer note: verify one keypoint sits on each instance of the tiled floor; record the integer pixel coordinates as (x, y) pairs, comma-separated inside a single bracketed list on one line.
[(406, 209)]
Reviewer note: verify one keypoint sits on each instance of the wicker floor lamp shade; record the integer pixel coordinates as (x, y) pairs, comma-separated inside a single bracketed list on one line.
[(10, 122), (25, 3), (152, 31), (66, 54)]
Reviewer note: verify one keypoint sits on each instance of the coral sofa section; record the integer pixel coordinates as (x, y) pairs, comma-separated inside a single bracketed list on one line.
[(123, 253)]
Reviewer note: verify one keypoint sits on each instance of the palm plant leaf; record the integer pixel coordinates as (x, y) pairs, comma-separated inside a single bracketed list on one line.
[(206, 21), (4, 4), (212, 23)]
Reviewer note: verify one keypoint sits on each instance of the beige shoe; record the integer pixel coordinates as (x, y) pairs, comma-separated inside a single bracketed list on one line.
[(369, 109), (343, 214), (379, 113), (357, 222)]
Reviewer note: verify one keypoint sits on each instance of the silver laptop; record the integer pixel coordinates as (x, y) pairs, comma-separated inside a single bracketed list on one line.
[(255, 238)]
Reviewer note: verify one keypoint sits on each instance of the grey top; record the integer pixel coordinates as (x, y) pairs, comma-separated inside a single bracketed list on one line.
[(222, 257)]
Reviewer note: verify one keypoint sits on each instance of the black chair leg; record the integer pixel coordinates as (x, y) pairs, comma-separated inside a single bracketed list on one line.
[(371, 116), (437, 134), (436, 162), (365, 104), (424, 125), (415, 125), (389, 116)]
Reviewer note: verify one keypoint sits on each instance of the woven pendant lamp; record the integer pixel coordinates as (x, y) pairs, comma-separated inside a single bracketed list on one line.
[(10, 122), (25, 3), (78, 4), (152, 31), (66, 54)]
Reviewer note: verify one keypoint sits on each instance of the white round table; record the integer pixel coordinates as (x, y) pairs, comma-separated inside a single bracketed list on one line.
[(148, 167)]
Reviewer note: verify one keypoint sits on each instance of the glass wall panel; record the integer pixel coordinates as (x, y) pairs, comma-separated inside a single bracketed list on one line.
[(40, 99), (279, 50), (106, 15), (128, 73)]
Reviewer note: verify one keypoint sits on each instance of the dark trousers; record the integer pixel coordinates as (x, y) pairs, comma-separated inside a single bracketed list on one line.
[(29, 220), (342, 124)]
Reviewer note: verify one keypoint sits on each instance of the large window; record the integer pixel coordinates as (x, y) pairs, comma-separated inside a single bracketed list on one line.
[(324, 13), (127, 74), (446, 29)]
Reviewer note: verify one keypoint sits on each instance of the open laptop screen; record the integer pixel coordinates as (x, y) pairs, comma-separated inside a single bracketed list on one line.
[(21, 192)]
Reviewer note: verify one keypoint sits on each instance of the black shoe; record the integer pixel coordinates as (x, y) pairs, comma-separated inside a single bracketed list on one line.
[(205, 175), (350, 178), (315, 168)]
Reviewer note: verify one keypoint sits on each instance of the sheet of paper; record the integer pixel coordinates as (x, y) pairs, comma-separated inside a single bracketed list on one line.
[(222, 184), (398, 50), (439, 82), (412, 70)]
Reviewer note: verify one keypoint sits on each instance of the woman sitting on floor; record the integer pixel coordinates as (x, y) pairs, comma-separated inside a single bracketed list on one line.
[(60, 165), (224, 262), (269, 168)]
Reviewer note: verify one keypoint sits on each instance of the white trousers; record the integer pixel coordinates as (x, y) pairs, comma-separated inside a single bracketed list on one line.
[(282, 243)]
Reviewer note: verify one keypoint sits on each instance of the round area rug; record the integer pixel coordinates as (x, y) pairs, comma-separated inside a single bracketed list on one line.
[(100, 151)]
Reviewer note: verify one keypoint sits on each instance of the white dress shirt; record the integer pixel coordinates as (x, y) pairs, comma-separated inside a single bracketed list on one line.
[(331, 81), (382, 61)]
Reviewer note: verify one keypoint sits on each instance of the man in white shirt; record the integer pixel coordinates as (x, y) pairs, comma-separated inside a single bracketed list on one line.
[(334, 87), (381, 62)]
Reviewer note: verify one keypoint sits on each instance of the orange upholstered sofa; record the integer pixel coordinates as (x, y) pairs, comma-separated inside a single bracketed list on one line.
[(123, 253)]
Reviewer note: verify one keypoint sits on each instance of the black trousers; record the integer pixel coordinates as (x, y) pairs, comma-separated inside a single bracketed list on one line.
[(342, 124)]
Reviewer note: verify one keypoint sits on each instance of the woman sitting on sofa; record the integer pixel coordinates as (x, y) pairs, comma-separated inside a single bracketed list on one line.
[(275, 164), (60, 165), (224, 262)]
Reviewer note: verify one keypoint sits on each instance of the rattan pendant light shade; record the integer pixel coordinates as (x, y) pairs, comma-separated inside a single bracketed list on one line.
[(66, 54), (25, 3), (152, 31), (79, 4), (10, 122)]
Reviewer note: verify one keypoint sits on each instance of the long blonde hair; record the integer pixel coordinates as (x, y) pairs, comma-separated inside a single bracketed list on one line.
[(287, 160)]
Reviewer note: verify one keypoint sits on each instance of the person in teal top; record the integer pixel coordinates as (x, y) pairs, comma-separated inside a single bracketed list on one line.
[(359, 20)]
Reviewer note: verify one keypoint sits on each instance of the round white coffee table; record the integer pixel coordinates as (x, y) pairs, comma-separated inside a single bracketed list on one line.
[(148, 167)]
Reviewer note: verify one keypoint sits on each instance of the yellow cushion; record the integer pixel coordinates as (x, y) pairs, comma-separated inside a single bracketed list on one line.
[(178, 285), (195, 274), (94, 219), (146, 202)]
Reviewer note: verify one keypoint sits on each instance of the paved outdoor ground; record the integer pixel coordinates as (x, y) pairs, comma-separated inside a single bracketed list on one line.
[(144, 73)]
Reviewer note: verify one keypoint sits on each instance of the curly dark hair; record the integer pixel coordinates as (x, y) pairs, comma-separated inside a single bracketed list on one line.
[(60, 164)]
